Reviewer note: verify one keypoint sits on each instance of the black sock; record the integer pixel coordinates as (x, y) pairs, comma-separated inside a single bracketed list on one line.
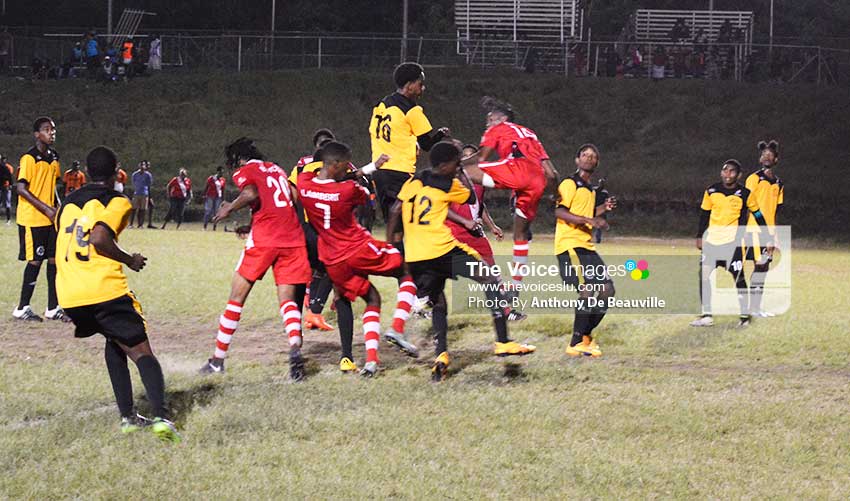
[(320, 289), (743, 293), (52, 302), (298, 297), (596, 316), (440, 324), (8, 214), (498, 299), (28, 286), (152, 378), (345, 319), (581, 323), (576, 339), (757, 280), (119, 375)]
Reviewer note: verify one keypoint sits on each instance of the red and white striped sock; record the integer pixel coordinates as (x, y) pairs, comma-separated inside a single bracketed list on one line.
[(371, 328), (520, 258), (291, 315), (227, 324), (405, 298)]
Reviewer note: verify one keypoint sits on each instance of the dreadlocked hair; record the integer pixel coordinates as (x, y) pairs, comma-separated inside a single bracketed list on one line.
[(492, 104), (242, 148)]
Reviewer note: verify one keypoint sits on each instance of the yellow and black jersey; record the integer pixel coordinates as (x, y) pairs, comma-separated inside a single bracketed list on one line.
[(425, 205), (298, 169), (579, 197), (769, 194), (728, 208), (40, 171), (84, 277), (395, 125)]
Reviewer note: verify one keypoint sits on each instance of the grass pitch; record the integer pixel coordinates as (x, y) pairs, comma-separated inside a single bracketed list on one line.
[(669, 411)]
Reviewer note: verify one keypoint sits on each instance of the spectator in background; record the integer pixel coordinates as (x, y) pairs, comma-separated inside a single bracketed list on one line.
[(5, 49), (142, 181), (155, 54), (179, 191), (74, 178), (699, 54), (213, 195), (92, 55), (7, 174), (634, 65), (659, 63), (680, 32), (601, 196), (120, 179), (612, 60)]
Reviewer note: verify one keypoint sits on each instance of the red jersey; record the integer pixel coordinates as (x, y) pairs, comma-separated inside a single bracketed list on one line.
[(469, 211), (274, 222), (178, 189), (215, 187), (330, 208), (514, 141)]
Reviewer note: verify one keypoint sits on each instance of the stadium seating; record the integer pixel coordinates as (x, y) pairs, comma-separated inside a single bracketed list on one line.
[(654, 25)]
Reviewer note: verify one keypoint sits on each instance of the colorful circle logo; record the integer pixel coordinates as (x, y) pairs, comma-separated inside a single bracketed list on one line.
[(638, 270)]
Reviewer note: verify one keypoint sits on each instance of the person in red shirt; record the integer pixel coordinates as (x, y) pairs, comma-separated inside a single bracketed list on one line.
[(179, 191), (213, 195), (276, 241), (522, 166), (350, 253)]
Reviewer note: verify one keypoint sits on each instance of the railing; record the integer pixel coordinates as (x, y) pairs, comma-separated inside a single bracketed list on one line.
[(781, 63)]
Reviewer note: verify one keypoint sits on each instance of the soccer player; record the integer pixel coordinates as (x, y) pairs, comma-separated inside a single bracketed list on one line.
[(522, 166), (179, 191), (769, 192), (213, 195), (725, 209), (73, 178), (433, 255), (398, 125), (276, 241), (577, 215), (320, 285), (36, 185), (7, 175), (93, 290), (142, 182), (351, 254)]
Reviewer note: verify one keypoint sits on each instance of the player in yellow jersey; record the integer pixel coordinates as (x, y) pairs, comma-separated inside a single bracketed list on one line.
[(397, 127), (769, 192), (577, 215), (725, 208), (37, 202), (434, 255), (93, 289)]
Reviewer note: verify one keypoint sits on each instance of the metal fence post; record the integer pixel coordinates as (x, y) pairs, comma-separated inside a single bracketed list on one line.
[(239, 56), (819, 63), (320, 53)]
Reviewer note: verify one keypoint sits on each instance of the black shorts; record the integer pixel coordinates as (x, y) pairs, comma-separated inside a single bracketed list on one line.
[(727, 256), (118, 319), (312, 239), (387, 185), (430, 275), (37, 243), (755, 251), (582, 266)]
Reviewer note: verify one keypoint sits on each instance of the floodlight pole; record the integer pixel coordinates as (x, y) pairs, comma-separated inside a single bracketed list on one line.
[(404, 31), (108, 18), (771, 27)]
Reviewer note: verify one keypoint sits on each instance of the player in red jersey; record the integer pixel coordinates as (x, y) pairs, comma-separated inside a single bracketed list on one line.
[(320, 285), (351, 254), (522, 166), (276, 241)]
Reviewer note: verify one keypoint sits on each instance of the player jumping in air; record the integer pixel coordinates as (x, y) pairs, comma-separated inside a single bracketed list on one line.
[(93, 290), (522, 165), (36, 185), (398, 125), (577, 215), (351, 254), (769, 192), (276, 241), (725, 209), (434, 255)]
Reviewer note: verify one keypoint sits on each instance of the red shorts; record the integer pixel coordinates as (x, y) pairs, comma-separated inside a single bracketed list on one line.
[(289, 264), (522, 175), (351, 277), (480, 244)]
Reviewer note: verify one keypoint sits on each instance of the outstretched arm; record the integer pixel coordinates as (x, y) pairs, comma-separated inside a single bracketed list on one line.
[(247, 196), (104, 242)]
